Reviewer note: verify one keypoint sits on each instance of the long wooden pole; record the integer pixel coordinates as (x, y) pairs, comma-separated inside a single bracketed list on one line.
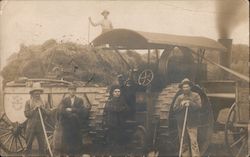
[(116, 50), (233, 72), (44, 131), (183, 131), (88, 31)]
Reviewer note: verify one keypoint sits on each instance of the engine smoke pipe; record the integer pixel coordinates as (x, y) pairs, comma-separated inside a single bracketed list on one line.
[(225, 57)]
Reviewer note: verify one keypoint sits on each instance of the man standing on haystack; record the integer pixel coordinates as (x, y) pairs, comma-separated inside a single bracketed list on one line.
[(34, 126), (191, 100), (105, 23)]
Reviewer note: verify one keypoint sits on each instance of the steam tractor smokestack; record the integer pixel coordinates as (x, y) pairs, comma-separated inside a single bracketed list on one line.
[(225, 57)]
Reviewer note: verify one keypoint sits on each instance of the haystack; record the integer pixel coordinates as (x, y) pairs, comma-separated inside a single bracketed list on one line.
[(69, 61)]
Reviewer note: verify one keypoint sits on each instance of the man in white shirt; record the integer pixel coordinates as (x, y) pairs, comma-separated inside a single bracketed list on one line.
[(105, 23)]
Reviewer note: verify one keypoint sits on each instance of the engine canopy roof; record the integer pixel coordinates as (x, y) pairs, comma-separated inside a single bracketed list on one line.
[(130, 39)]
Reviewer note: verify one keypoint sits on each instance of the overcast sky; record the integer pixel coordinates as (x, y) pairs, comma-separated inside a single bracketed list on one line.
[(33, 22)]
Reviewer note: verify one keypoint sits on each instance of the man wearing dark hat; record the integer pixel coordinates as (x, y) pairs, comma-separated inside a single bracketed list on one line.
[(34, 125), (105, 23), (193, 101), (71, 114)]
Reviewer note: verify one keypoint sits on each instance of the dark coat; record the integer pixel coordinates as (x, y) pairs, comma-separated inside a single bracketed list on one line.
[(115, 116), (193, 119), (70, 125), (33, 119), (115, 112)]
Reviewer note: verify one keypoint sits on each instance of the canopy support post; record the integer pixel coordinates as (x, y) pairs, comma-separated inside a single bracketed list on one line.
[(157, 56), (148, 56)]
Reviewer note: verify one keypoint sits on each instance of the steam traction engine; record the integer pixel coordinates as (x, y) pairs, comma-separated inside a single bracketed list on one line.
[(155, 89)]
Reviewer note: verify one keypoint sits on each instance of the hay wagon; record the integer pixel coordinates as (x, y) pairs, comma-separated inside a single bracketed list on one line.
[(170, 58)]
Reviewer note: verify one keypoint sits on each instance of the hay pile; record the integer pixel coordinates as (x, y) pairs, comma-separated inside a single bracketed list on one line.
[(76, 62), (70, 61)]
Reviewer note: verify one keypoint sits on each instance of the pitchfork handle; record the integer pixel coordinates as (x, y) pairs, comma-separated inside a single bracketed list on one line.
[(183, 131)]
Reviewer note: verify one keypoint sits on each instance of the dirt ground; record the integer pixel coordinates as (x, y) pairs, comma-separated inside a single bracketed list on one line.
[(216, 148)]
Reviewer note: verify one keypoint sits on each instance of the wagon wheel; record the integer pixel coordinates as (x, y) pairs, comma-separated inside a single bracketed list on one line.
[(12, 140), (145, 77), (235, 134)]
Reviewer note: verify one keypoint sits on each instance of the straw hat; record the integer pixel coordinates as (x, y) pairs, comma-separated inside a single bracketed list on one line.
[(105, 12), (185, 81), (36, 87)]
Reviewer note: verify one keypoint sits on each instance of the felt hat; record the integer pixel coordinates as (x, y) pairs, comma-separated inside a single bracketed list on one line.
[(36, 87)]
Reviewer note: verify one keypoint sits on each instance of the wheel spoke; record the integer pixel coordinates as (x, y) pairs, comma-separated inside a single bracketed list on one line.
[(3, 120), (236, 142), (50, 138), (16, 144), (49, 125), (22, 136), (241, 148), (7, 123), (143, 74), (142, 77), (2, 116), (233, 133), (149, 77), (20, 142), (5, 129), (11, 143), (148, 80), (5, 134), (7, 139), (49, 132)]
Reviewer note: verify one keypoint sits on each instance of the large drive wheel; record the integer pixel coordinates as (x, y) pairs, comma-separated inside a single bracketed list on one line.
[(165, 141), (12, 135), (12, 140), (140, 137), (235, 134), (168, 139), (96, 117)]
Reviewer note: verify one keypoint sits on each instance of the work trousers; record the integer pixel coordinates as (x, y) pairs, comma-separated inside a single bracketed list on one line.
[(190, 138), (39, 135)]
